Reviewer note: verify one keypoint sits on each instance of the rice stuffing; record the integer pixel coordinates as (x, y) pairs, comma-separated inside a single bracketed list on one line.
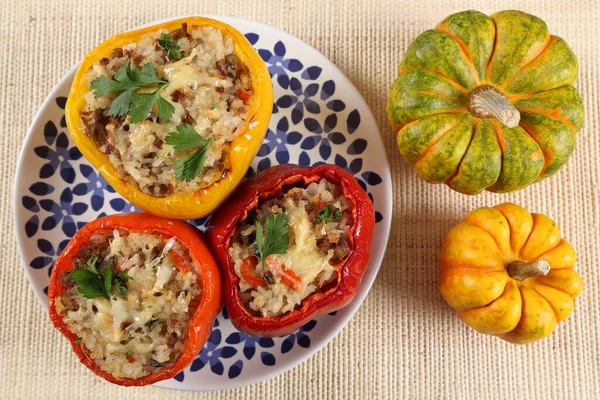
[(144, 329), (317, 245), (209, 88)]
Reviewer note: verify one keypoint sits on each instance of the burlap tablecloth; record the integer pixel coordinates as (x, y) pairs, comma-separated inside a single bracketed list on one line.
[(404, 342)]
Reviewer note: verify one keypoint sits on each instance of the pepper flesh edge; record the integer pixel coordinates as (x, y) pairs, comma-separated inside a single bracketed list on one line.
[(209, 279), (243, 149), (267, 185)]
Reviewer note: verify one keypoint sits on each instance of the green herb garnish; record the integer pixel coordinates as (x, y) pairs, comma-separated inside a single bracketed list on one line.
[(128, 355), (269, 278), (186, 138), (152, 323), (91, 283), (328, 213), (275, 238), (127, 82), (119, 284), (78, 340), (91, 264), (170, 46)]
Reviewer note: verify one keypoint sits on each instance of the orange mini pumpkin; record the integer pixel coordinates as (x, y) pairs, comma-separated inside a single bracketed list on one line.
[(508, 273)]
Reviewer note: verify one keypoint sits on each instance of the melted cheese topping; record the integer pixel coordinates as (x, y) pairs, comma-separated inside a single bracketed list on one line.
[(204, 88), (135, 334), (303, 256), (311, 262), (188, 75)]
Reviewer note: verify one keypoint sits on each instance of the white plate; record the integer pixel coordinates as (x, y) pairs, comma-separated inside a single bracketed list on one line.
[(318, 117)]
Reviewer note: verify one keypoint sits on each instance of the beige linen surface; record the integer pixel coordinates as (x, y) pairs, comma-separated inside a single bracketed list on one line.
[(404, 342)]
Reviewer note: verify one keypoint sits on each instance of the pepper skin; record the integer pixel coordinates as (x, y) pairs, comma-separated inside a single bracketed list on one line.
[(269, 184), (209, 279), (243, 149)]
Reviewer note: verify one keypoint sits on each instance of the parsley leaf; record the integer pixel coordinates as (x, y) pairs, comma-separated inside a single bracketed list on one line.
[(104, 85), (328, 213), (170, 46), (164, 108), (188, 167), (141, 105), (120, 105), (274, 238), (107, 274), (91, 283), (147, 75), (122, 75), (119, 283), (91, 264), (186, 138), (127, 82)]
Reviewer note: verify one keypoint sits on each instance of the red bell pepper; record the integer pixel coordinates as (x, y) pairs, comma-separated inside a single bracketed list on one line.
[(248, 267), (244, 95), (209, 279), (270, 184)]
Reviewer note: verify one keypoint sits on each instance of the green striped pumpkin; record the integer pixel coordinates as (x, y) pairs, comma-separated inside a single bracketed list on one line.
[(486, 103)]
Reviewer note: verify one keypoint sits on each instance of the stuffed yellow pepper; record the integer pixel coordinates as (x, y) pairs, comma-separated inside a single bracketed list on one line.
[(172, 114)]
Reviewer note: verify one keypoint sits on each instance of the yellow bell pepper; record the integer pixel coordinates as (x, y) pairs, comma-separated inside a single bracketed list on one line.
[(243, 149)]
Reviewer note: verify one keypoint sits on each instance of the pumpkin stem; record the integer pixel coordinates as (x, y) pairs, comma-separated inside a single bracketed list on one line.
[(486, 101), (521, 270)]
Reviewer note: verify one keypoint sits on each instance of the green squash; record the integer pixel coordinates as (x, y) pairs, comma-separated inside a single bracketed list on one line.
[(486, 103)]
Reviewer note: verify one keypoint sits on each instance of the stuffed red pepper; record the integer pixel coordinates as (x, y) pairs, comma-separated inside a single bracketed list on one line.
[(136, 295), (293, 243)]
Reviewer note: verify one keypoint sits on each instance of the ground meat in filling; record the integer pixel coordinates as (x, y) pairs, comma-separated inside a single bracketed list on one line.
[(209, 88), (142, 329), (319, 218)]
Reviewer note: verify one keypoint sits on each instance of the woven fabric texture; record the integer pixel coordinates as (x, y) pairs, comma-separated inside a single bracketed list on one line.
[(404, 342)]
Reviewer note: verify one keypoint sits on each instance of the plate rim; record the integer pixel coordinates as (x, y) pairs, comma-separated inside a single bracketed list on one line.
[(18, 183), (366, 285)]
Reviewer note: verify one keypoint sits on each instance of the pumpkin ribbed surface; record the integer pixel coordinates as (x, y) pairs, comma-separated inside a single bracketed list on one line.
[(508, 273), (511, 53)]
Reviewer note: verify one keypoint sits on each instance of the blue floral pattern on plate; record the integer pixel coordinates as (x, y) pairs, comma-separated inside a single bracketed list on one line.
[(311, 124)]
